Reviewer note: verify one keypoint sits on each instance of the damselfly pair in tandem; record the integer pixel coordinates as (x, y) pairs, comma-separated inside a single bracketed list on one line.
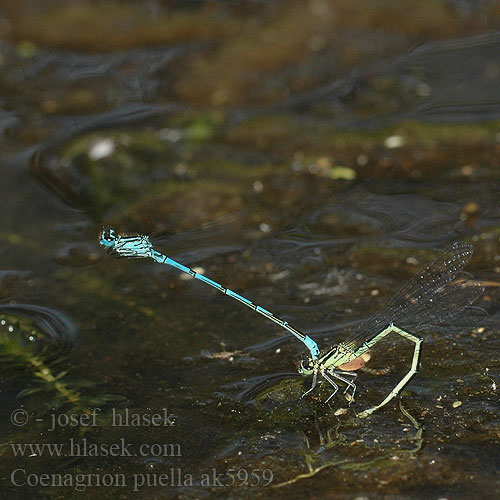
[(435, 293)]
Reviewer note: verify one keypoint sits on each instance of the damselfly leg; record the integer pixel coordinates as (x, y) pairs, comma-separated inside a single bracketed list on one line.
[(313, 385), (413, 368)]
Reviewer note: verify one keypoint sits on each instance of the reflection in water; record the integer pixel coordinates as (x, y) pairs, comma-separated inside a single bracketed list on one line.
[(451, 80), (26, 355), (334, 449), (54, 324)]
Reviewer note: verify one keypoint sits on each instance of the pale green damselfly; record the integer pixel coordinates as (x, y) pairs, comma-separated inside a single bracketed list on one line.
[(433, 294)]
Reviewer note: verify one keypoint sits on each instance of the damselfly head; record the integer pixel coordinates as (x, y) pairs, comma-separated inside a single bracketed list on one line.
[(108, 237), (307, 366)]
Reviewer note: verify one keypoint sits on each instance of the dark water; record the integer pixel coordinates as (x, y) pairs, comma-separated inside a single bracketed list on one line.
[(353, 140)]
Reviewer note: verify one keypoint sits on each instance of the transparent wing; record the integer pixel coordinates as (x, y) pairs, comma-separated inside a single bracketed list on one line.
[(211, 233), (206, 240), (433, 294)]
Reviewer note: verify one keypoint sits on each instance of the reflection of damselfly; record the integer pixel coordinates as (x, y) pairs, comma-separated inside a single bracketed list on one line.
[(431, 296)]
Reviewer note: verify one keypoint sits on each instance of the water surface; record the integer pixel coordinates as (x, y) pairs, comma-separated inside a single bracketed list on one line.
[(353, 142)]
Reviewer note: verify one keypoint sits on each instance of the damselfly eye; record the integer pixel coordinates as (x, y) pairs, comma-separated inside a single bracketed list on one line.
[(108, 237)]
